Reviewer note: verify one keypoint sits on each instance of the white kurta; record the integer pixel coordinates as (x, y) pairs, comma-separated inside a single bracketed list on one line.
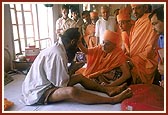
[(60, 24), (49, 67), (102, 25)]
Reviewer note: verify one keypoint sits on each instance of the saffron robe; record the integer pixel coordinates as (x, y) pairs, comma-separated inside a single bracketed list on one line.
[(89, 37), (99, 62), (125, 40), (143, 42)]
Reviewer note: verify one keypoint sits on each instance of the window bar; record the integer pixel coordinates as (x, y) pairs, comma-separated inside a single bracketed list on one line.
[(47, 23), (17, 25), (24, 25), (38, 26), (32, 23)]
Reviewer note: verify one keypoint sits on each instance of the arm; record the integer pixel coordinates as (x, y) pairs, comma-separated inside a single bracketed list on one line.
[(125, 75), (58, 30), (81, 46)]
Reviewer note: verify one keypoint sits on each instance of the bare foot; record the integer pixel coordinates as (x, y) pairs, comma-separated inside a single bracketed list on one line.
[(123, 95), (112, 91)]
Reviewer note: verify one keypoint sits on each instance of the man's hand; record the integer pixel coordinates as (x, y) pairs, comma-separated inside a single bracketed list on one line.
[(162, 83)]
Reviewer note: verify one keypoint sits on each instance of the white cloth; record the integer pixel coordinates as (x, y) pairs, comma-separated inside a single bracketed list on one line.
[(68, 24), (102, 25), (78, 24), (49, 67), (60, 25)]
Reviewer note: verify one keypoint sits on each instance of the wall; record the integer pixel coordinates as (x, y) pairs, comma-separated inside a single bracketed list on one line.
[(8, 39), (56, 15)]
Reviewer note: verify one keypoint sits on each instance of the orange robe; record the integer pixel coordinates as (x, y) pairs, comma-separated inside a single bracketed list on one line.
[(98, 62), (89, 38), (120, 37), (125, 40), (143, 42)]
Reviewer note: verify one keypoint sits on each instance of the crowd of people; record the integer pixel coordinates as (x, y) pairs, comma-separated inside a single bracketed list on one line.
[(119, 51)]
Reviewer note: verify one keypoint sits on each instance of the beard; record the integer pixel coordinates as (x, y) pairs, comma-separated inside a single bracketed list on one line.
[(71, 53)]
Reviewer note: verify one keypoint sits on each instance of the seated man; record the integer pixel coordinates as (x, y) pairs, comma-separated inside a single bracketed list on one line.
[(48, 80), (104, 58)]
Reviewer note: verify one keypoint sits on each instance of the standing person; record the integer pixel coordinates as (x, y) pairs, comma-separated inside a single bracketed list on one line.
[(60, 27), (48, 80), (103, 58), (89, 36), (125, 25), (78, 22), (105, 23), (86, 19), (143, 42), (157, 21), (116, 12)]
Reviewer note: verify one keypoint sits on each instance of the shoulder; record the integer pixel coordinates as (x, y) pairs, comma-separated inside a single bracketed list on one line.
[(69, 19), (59, 19), (99, 21)]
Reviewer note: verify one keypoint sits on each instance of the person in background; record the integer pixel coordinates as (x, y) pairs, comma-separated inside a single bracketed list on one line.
[(125, 25), (106, 22), (78, 22), (102, 59), (86, 19), (89, 36), (143, 42), (116, 12), (48, 80), (157, 21), (60, 22)]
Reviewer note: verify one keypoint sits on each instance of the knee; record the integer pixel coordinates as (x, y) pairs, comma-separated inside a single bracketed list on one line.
[(72, 91)]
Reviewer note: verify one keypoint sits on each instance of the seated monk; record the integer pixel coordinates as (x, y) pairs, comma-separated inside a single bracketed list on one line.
[(108, 77), (103, 58)]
